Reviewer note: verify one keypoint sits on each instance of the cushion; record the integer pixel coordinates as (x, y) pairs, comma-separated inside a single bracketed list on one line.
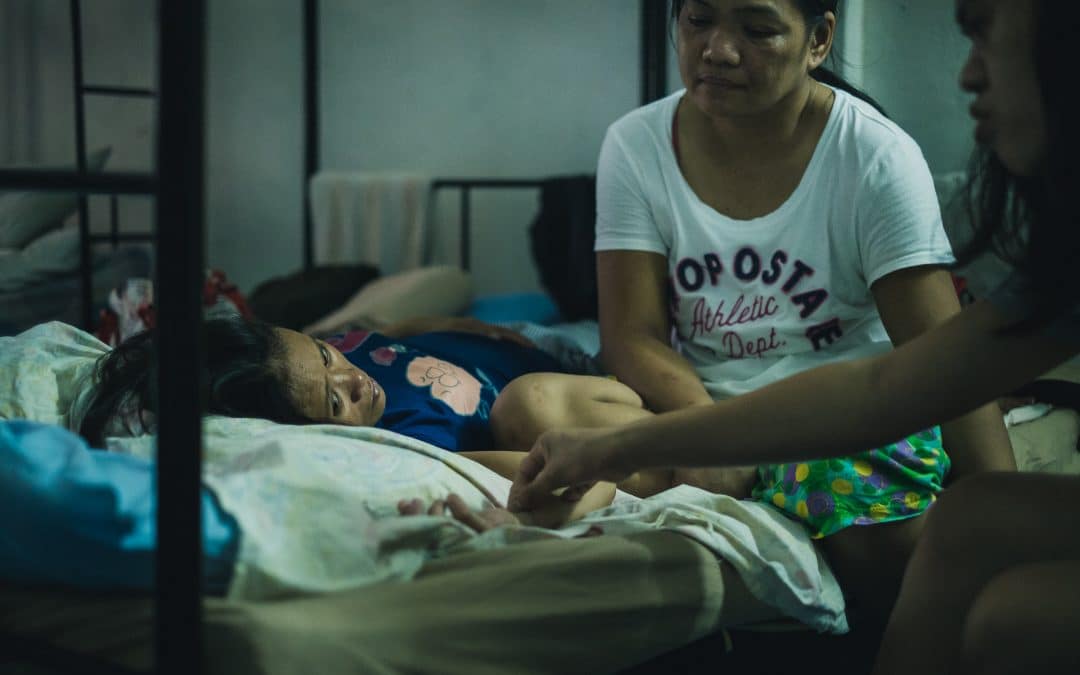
[(297, 300), (24, 216), (511, 307), (51, 255), (425, 291), (44, 370)]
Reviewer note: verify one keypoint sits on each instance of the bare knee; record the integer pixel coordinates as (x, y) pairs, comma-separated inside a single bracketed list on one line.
[(524, 409), (959, 524), (1006, 630)]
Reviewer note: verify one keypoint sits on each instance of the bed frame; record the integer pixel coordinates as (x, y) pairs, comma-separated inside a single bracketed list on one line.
[(178, 185)]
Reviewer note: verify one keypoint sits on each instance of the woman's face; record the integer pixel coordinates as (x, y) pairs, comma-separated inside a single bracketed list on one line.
[(1000, 72), (324, 386), (743, 57)]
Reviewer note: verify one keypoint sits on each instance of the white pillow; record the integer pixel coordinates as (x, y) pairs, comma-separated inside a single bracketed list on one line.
[(24, 216), (425, 291), (45, 370), (52, 255)]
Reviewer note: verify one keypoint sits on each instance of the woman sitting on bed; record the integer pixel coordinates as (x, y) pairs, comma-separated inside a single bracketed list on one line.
[(460, 384)]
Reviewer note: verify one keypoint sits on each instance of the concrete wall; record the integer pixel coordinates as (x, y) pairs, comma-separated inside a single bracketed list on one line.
[(453, 88)]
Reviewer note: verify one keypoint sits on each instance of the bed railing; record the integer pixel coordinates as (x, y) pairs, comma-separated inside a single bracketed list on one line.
[(86, 239), (653, 69), (178, 186)]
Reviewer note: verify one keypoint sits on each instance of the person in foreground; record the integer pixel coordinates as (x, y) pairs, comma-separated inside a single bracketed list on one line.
[(994, 582)]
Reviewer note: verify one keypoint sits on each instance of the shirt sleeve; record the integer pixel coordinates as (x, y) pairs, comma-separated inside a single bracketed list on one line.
[(624, 220), (87, 518), (898, 217)]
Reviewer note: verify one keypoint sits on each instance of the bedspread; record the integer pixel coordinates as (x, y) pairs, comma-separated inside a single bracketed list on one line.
[(317, 506)]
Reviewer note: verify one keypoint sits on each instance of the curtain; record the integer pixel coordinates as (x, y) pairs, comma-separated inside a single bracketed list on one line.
[(21, 93)]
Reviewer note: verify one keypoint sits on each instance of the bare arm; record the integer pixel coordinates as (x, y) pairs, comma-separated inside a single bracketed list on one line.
[(635, 331), (842, 408), (911, 302), (831, 411)]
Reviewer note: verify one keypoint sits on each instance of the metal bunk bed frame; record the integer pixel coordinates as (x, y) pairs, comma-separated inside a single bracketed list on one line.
[(177, 184), (179, 187), (653, 67)]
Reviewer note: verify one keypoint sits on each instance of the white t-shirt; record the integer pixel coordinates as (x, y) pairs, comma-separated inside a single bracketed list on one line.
[(755, 301)]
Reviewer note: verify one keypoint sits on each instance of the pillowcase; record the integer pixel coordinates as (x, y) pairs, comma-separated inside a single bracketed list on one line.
[(511, 307), (425, 291), (24, 216), (52, 255)]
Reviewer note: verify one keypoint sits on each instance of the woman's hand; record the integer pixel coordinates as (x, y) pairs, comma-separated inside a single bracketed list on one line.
[(575, 459), (481, 521)]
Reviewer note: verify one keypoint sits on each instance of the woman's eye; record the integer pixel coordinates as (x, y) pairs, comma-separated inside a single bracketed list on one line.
[(325, 355), (335, 405), (697, 21)]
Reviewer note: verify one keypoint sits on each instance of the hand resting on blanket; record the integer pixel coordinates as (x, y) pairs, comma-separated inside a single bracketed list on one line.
[(554, 513)]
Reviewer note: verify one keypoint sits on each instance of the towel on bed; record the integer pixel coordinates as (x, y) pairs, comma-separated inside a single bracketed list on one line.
[(376, 218)]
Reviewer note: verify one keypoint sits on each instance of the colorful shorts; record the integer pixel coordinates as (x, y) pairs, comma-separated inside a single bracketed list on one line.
[(894, 482)]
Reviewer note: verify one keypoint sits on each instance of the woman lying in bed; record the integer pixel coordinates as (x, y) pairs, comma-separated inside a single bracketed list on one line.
[(460, 384)]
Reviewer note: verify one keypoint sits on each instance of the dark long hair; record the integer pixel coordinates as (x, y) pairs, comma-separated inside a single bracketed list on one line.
[(240, 378), (813, 12), (1031, 221)]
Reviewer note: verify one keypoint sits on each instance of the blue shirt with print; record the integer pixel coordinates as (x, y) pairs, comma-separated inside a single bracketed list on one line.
[(440, 386)]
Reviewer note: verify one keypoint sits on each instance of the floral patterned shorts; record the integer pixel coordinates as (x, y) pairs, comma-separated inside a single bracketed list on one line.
[(894, 482)]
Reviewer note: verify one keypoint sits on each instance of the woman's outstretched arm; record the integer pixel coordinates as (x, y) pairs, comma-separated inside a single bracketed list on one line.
[(831, 411), (912, 301)]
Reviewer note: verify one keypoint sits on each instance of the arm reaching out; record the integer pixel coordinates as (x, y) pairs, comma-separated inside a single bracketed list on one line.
[(831, 411)]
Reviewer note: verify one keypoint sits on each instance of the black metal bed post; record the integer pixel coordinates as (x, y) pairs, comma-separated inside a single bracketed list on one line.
[(311, 120), (465, 186), (85, 272), (180, 274), (653, 50)]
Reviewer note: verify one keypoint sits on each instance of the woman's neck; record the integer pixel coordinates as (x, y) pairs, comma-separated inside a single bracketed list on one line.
[(767, 135)]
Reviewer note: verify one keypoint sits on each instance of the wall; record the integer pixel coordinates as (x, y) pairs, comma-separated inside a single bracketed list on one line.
[(908, 56), (37, 115), (462, 88)]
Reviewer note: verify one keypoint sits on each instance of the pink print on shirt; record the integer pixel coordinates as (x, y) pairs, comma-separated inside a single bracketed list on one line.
[(748, 266), (451, 384)]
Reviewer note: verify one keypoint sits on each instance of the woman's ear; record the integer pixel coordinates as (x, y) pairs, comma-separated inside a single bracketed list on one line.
[(821, 40)]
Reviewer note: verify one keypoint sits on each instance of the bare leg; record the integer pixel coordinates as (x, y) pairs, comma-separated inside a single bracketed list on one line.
[(735, 481), (1025, 621), (984, 527), (538, 402), (869, 563)]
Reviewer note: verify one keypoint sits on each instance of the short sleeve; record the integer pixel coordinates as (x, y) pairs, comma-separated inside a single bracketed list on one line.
[(898, 217), (624, 220)]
